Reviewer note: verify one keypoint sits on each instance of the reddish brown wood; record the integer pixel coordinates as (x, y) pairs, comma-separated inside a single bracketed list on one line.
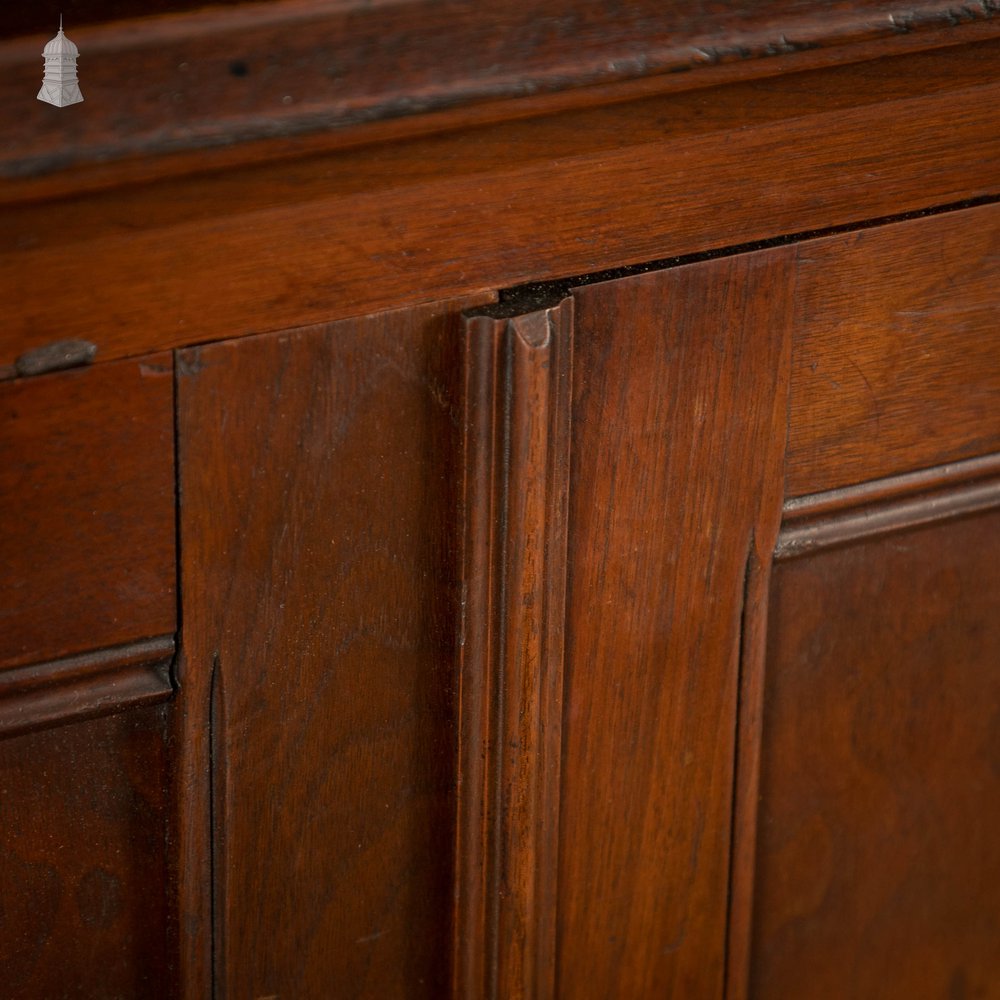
[(896, 365), (361, 230), (323, 585), (958, 499), (878, 868), (84, 687), (82, 872), (87, 537), (668, 501), (947, 476), (518, 392), (223, 75)]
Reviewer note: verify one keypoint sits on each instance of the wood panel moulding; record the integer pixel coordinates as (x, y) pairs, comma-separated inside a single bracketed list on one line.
[(859, 519), (85, 686), (882, 507), (517, 445)]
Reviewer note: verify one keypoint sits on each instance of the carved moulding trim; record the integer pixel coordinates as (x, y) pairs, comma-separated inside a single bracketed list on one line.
[(897, 503), (511, 648), (74, 688)]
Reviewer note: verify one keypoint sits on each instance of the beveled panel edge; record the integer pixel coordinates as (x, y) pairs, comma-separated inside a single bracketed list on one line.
[(884, 506), (92, 684), (517, 408)]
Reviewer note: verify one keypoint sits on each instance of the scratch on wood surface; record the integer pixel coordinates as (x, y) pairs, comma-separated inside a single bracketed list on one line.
[(871, 392)]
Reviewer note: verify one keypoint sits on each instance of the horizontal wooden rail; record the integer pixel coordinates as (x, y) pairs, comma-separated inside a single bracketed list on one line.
[(98, 683), (280, 245), (881, 507)]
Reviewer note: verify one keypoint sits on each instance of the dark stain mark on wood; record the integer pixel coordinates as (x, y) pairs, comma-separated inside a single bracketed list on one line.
[(55, 357)]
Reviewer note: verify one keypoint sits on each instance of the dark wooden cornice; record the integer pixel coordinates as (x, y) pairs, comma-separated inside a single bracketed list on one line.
[(229, 75)]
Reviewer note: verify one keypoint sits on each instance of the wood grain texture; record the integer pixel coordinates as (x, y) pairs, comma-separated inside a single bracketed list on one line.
[(224, 75), (346, 233), (83, 897), (84, 687), (878, 867), (678, 417), (518, 393), (321, 568), (896, 366), (87, 540)]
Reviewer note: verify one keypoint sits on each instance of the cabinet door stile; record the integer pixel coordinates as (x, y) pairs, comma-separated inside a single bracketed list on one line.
[(517, 442)]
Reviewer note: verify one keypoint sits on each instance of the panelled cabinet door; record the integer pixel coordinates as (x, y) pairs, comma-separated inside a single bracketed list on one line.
[(731, 673), (87, 621), (870, 717), (320, 484), (639, 642), (623, 471)]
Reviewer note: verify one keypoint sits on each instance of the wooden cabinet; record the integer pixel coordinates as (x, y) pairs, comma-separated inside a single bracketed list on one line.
[(545, 548)]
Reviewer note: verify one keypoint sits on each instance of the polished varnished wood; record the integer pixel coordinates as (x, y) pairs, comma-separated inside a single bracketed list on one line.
[(84, 904), (320, 573), (894, 370), (356, 231), (620, 624), (825, 520), (517, 396), (878, 871), (86, 686), (279, 69), (88, 532), (667, 507), (896, 364)]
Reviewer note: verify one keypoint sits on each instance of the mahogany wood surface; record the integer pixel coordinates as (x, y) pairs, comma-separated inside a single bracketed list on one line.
[(278, 69), (667, 507), (83, 895), (896, 365), (518, 391), (88, 532), (486, 685), (878, 868), (320, 573), (85, 687), (284, 244)]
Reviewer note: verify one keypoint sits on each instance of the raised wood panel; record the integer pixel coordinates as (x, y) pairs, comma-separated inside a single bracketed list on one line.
[(319, 475), (518, 391), (346, 233), (680, 382), (878, 865), (87, 541), (896, 365), (83, 890)]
